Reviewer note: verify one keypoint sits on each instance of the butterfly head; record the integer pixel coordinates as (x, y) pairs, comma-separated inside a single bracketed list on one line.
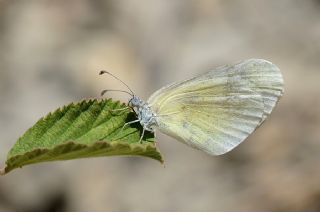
[(135, 102)]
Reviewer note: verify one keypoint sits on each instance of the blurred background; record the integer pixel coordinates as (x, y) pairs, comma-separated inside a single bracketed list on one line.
[(51, 53)]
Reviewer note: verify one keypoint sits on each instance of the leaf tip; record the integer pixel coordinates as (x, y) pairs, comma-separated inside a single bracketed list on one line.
[(2, 171)]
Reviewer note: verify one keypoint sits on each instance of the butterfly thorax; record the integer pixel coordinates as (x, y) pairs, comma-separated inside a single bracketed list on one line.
[(144, 112)]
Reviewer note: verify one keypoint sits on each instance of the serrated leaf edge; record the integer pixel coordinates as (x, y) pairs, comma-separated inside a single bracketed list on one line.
[(114, 144)]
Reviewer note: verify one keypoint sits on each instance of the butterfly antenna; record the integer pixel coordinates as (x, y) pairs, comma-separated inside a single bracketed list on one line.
[(107, 72), (107, 90)]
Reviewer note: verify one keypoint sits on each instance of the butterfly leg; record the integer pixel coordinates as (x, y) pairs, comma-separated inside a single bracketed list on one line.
[(128, 123), (120, 109), (140, 141)]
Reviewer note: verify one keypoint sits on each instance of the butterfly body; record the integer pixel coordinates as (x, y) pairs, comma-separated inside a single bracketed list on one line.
[(145, 115)]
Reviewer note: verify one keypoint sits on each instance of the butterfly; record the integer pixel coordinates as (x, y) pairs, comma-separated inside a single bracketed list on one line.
[(213, 112)]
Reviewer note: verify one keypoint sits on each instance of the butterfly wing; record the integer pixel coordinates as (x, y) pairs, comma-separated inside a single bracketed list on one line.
[(216, 111)]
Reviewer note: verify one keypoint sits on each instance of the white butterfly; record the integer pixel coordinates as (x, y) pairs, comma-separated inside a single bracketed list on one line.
[(215, 111)]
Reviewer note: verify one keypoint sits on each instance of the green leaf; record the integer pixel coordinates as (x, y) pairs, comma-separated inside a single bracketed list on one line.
[(90, 128)]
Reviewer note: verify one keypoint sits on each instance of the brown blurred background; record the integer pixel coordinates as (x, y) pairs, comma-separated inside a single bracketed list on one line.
[(51, 53)]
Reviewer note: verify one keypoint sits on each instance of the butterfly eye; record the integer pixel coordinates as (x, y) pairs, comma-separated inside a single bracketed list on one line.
[(135, 101)]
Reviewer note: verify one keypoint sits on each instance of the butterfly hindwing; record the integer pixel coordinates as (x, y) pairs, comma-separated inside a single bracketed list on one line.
[(216, 111)]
